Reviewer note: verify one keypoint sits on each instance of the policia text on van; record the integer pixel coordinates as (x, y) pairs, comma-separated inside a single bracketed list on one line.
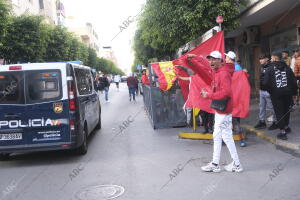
[(47, 106)]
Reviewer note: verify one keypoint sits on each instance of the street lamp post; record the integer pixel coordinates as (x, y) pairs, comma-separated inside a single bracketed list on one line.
[(220, 20)]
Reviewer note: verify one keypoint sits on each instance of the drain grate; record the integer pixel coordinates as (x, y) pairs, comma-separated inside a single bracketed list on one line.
[(100, 192)]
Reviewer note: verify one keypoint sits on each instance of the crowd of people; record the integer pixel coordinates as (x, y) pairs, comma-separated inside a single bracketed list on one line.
[(103, 82), (279, 91), (278, 94)]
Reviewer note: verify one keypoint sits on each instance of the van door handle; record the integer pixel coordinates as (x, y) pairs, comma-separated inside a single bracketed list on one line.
[(85, 100), (11, 116)]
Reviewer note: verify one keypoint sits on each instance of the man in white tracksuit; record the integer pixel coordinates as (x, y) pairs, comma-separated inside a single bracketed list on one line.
[(220, 89), (117, 80)]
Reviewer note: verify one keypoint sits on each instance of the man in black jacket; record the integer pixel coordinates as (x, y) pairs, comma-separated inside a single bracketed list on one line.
[(105, 83), (281, 83), (265, 103)]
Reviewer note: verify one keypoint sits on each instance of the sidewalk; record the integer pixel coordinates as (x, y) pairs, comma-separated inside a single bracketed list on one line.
[(292, 145)]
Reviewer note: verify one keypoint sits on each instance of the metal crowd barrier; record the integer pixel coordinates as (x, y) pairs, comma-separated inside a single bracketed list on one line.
[(164, 108)]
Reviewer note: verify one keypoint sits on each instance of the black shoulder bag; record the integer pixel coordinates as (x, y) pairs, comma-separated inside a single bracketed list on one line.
[(220, 104)]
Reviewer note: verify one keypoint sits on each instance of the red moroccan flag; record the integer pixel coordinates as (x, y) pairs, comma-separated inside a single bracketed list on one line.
[(216, 42), (184, 84), (240, 94), (194, 99), (204, 78)]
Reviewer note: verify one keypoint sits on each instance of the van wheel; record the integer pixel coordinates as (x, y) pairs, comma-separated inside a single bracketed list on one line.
[(84, 147), (98, 126), (4, 156)]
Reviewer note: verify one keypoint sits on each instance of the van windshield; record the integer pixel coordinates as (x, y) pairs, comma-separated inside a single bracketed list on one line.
[(40, 86)]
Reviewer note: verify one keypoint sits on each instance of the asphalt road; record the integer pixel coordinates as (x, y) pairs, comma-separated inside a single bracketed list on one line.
[(128, 160)]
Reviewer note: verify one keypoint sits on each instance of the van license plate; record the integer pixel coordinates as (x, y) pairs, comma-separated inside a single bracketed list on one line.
[(12, 136)]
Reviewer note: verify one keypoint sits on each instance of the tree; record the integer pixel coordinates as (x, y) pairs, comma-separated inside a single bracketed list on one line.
[(58, 44), (4, 19), (107, 67), (92, 58), (26, 40), (83, 52), (142, 51), (165, 25), (74, 49), (102, 65)]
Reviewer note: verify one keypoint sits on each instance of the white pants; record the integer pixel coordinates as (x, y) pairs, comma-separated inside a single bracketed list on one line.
[(223, 130)]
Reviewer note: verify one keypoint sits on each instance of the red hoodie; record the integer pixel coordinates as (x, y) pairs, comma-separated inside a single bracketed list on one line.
[(220, 81), (221, 86), (145, 79)]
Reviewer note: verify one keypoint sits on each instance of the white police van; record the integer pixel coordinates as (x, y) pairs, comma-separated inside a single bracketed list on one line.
[(47, 106)]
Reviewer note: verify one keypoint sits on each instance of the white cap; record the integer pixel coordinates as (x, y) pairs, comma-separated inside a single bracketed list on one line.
[(215, 54), (231, 55)]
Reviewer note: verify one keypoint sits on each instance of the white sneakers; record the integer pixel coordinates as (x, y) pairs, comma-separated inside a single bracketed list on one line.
[(230, 168), (233, 168), (211, 168)]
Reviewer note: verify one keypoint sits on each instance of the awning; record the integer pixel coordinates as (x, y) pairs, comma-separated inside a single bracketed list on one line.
[(261, 12)]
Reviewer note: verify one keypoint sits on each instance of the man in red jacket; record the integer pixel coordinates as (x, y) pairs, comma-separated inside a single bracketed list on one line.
[(132, 85), (220, 89), (145, 79)]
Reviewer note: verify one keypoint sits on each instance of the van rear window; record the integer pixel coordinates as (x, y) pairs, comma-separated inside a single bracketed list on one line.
[(40, 86), (11, 88), (43, 86)]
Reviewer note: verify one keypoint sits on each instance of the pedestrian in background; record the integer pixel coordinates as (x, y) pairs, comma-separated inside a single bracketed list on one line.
[(208, 121), (117, 80), (286, 58), (293, 60), (237, 64), (281, 83), (297, 73), (132, 85), (97, 81), (105, 82), (145, 79), (265, 103), (137, 85)]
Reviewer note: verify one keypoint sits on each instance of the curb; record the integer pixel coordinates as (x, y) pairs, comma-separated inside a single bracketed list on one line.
[(280, 143)]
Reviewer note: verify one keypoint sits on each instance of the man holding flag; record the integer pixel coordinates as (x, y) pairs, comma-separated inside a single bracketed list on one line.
[(220, 90)]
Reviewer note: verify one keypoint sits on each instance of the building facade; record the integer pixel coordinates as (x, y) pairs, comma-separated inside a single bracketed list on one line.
[(108, 53), (266, 26), (52, 10), (85, 32), (60, 12)]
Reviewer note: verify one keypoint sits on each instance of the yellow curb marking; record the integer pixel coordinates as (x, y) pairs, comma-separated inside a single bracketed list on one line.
[(262, 135), (201, 136)]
